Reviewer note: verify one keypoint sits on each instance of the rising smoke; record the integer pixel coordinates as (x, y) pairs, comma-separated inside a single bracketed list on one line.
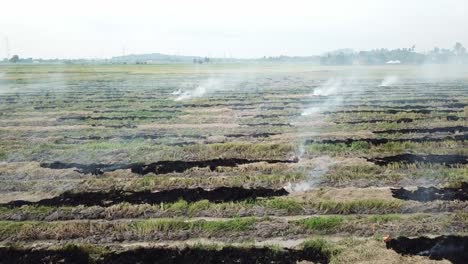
[(321, 166), (389, 81), (330, 87), (177, 92), (206, 87), (330, 96)]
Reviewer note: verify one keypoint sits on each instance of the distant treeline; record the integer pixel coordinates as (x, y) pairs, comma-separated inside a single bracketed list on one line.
[(457, 55)]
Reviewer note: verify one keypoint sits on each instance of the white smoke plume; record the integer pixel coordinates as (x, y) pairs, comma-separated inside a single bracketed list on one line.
[(334, 92), (330, 87), (321, 167), (389, 81), (311, 111), (331, 95), (205, 87), (177, 92)]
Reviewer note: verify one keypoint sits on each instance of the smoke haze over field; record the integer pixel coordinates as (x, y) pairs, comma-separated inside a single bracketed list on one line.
[(203, 88), (88, 29), (330, 87), (389, 80), (321, 166), (331, 94)]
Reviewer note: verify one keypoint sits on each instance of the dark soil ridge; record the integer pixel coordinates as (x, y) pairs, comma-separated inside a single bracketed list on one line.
[(181, 144), (380, 102), (275, 115), (454, 118), (224, 255), (453, 129), (72, 255), (267, 124), (44, 107), (454, 105), (427, 194), (83, 118), (447, 160), (452, 248), (144, 110), (411, 101), (243, 108), (105, 199), (95, 169), (255, 135), (380, 141), (116, 106), (280, 107), (115, 126), (398, 121), (137, 136), (160, 167), (214, 105), (163, 167), (423, 111), (228, 254)]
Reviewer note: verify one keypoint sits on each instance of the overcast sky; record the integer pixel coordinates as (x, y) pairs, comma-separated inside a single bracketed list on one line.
[(106, 28)]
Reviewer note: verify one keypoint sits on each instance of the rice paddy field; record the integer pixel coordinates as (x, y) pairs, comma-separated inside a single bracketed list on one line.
[(233, 163)]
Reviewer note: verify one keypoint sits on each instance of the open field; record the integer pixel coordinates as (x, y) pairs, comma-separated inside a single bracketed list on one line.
[(273, 163)]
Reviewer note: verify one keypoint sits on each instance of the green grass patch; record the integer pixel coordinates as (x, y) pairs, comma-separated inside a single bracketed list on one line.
[(385, 218), (357, 206), (320, 245), (323, 223), (289, 205), (234, 225), (173, 225), (160, 225)]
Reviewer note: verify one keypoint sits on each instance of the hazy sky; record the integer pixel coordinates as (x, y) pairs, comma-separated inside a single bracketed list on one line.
[(102, 28)]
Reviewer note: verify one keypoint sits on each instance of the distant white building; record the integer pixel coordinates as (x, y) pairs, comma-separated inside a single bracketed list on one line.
[(393, 62)]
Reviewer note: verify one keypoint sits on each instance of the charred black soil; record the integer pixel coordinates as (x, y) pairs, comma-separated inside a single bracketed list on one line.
[(222, 194), (83, 118), (453, 118), (412, 101), (256, 135), (454, 129), (118, 171), (448, 160), (75, 254), (163, 167), (225, 255), (392, 111), (452, 248), (160, 167), (93, 168), (453, 105), (115, 126), (268, 124), (398, 121), (275, 115), (427, 194), (380, 141), (130, 137)]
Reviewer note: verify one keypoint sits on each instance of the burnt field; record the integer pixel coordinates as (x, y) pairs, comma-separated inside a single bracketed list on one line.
[(235, 163)]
